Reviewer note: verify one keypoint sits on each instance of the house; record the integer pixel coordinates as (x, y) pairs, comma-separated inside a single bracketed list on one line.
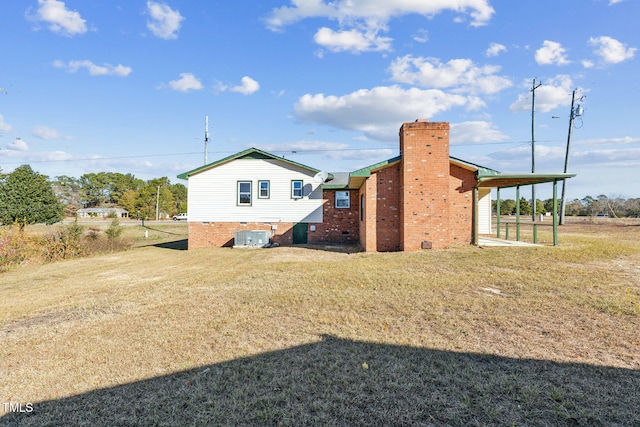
[(423, 198), (108, 212)]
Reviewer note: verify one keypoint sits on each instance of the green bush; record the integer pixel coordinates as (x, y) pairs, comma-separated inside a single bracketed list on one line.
[(114, 230)]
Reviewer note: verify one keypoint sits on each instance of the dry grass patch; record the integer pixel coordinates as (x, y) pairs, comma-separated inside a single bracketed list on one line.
[(298, 336)]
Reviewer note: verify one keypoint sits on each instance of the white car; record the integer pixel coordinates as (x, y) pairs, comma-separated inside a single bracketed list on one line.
[(180, 216)]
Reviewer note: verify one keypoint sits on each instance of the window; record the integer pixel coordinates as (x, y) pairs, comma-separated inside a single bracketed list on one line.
[(296, 189), (263, 189), (362, 207), (342, 200), (244, 193)]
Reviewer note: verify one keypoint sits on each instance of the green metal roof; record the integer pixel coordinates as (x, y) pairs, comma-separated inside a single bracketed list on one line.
[(482, 170), (251, 153), (365, 172)]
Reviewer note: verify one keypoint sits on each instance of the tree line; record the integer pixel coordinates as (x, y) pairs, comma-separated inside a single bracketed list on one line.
[(615, 207), (28, 197), (137, 196)]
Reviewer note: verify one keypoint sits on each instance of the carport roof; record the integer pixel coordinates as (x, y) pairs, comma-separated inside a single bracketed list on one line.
[(514, 180)]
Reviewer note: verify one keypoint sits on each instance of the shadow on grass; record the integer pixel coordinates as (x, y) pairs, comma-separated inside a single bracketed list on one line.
[(179, 245), (328, 383)]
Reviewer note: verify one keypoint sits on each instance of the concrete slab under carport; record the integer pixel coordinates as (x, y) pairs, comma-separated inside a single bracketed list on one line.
[(491, 241)]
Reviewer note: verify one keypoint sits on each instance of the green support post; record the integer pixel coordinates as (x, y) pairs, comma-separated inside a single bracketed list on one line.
[(518, 213), (498, 212), (555, 212)]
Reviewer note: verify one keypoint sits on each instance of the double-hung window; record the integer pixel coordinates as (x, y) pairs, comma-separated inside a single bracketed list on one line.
[(244, 193), (296, 189), (263, 189), (342, 200)]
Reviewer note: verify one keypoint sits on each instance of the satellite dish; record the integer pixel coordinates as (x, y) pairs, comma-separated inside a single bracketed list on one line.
[(321, 177)]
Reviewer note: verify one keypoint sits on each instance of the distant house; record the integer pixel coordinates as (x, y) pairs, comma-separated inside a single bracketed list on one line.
[(108, 212), (421, 199)]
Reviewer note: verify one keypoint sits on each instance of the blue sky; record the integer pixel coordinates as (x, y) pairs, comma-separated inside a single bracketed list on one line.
[(125, 85)]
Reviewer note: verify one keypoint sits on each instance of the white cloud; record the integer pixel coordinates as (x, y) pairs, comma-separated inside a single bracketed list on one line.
[(93, 69), (304, 146), (354, 41), (376, 112), (461, 74), (617, 157), (612, 2), (421, 36), (520, 157), (18, 144), (376, 10), (611, 50), (45, 132), (587, 63), (554, 93), (360, 21), (475, 132), (4, 126), (329, 150), (247, 86), (603, 141), (185, 83), (495, 49), (551, 53), (60, 19), (165, 22)]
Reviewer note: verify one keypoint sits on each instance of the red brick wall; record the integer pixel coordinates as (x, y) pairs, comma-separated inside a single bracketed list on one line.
[(222, 234), (368, 217), (340, 225), (387, 219), (425, 185), (461, 183)]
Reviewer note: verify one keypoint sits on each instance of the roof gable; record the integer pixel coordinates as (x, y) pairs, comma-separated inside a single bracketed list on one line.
[(251, 153)]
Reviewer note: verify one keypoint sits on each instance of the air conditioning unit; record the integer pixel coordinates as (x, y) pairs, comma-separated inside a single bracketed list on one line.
[(251, 238)]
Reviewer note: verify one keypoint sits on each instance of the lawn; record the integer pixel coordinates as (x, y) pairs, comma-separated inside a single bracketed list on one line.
[(312, 336)]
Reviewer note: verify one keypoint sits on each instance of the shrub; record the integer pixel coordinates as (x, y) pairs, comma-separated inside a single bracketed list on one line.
[(67, 242), (114, 230)]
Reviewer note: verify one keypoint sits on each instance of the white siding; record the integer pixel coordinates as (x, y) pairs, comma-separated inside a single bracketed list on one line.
[(484, 211), (213, 193)]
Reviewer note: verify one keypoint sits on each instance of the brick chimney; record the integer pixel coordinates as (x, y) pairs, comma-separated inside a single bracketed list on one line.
[(425, 215)]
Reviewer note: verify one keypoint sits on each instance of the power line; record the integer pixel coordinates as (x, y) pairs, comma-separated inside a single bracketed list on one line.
[(294, 151)]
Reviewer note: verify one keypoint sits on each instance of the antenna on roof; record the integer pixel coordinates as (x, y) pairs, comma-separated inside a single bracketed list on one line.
[(206, 138)]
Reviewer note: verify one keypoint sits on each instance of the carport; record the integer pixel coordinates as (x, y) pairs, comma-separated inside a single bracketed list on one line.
[(487, 179)]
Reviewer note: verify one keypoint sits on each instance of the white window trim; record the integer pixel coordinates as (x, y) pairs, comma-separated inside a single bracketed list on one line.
[(250, 193), (346, 198), (293, 189), (260, 196)]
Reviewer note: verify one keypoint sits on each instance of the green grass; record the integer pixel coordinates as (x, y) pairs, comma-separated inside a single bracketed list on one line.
[(301, 336)]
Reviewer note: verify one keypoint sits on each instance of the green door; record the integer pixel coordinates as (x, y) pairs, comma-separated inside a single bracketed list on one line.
[(300, 233)]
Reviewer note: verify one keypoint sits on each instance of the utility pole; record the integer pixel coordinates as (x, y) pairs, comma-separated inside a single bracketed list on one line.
[(533, 147), (206, 139), (575, 112)]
